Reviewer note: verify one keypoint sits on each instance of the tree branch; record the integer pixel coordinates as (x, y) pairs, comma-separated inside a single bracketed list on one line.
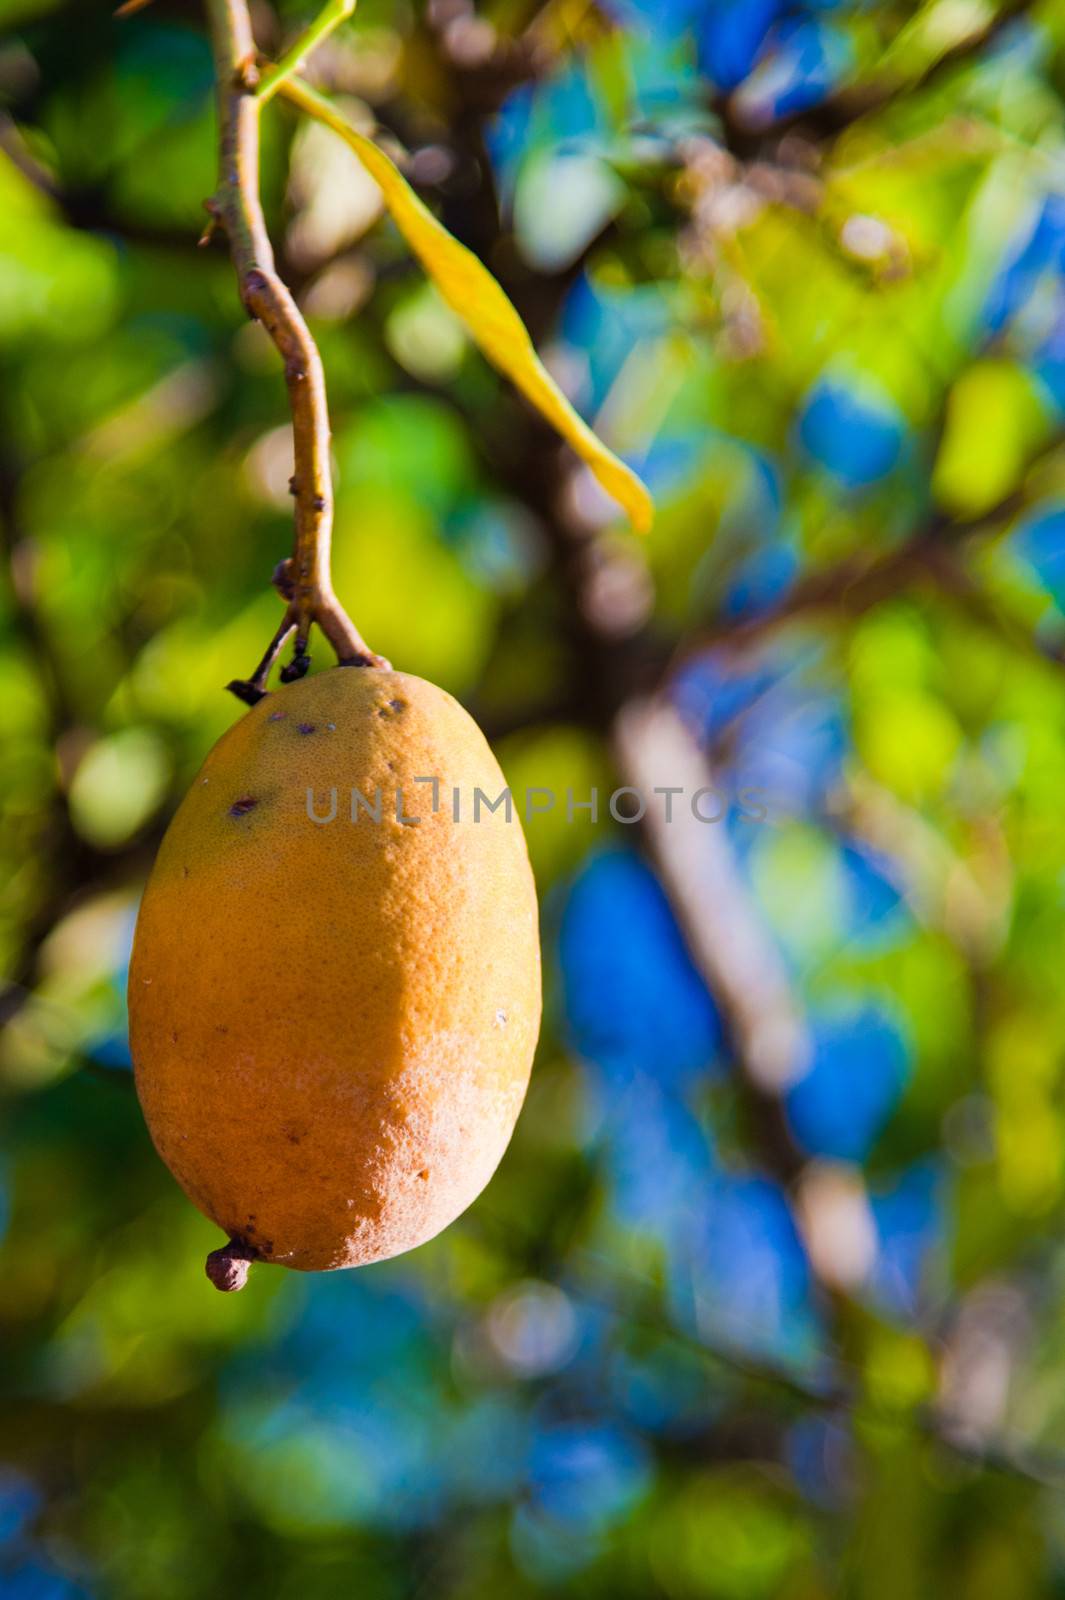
[(853, 101), (304, 581), (933, 553), (741, 965)]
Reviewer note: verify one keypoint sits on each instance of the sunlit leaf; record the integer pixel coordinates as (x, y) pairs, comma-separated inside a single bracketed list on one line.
[(472, 292), (995, 419)]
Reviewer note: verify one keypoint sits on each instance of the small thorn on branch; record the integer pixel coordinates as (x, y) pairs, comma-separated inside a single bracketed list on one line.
[(228, 1267), (214, 221)]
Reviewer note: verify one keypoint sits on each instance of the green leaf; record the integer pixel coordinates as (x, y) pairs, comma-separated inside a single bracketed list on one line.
[(995, 421)]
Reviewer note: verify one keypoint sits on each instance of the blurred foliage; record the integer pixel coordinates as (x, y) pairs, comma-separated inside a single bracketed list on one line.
[(803, 264)]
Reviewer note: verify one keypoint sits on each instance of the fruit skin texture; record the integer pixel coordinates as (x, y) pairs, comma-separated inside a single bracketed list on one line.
[(333, 1024)]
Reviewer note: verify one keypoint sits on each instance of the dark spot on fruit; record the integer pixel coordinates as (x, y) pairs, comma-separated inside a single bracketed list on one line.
[(240, 808), (293, 1138), (424, 1174), (306, 727), (398, 705), (220, 1027), (184, 872), (276, 716), (173, 1037)]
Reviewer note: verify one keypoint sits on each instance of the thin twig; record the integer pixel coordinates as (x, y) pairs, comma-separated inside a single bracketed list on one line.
[(836, 1388), (251, 690), (305, 580)]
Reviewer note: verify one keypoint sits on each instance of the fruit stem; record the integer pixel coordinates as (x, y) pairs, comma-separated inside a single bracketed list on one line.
[(228, 1266), (236, 206)]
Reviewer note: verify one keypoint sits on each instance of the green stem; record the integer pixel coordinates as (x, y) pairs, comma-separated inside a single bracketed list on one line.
[(332, 14)]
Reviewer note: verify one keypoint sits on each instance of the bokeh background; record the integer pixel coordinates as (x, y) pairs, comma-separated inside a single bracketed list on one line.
[(768, 1296)]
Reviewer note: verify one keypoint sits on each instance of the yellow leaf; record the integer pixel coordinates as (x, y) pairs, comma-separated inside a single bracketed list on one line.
[(475, 296)]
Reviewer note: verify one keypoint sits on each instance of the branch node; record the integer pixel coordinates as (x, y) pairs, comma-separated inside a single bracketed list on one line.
[(246, 75), (245, 690), (282, 579), (297, 667)]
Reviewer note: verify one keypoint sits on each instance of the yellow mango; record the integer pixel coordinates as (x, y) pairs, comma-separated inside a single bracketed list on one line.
[(333, 1016)]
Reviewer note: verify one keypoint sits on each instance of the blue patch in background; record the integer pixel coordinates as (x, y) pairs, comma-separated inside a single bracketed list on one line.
[(859, 1068), (852, 431), (632, 996)]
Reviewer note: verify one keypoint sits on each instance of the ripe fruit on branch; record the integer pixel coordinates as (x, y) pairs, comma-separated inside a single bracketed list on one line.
[(333, 1022)]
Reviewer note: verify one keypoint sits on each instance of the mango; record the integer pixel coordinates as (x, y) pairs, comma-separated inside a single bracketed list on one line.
[(334, 991)]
